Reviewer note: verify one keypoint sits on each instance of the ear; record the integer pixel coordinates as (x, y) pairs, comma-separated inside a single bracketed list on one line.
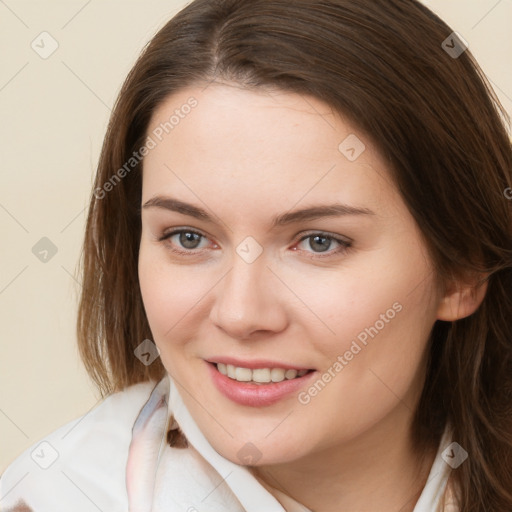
[(461, 299)]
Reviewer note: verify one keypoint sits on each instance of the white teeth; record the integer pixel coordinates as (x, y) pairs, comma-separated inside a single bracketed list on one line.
[(277, 374), (290, 374), (231, 371), (259, 375), (243, 374)]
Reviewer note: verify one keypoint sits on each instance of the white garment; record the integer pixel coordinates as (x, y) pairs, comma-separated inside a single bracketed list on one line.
[(115, 459)]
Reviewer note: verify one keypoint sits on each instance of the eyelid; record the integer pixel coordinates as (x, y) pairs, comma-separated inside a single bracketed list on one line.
[(298, 238), (326, 234), (344, 242), (175, 231)]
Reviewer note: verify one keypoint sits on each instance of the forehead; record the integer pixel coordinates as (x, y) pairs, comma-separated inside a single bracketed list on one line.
[(262, 147)]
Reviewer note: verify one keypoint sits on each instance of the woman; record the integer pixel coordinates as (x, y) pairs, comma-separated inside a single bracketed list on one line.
[(296, 273)]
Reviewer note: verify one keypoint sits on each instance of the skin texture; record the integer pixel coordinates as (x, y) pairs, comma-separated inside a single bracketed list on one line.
[(245, 157)]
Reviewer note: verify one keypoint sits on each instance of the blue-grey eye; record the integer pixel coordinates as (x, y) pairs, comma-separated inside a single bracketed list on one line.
[(322, 243), (189, 239)]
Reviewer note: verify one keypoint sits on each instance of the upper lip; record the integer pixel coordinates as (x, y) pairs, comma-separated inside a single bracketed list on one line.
[(256, 363)]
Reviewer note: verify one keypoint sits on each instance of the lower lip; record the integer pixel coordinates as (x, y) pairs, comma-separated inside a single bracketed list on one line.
[(256, 395)]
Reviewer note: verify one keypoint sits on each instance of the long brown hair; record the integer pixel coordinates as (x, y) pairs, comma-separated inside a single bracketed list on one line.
[(433, 116)]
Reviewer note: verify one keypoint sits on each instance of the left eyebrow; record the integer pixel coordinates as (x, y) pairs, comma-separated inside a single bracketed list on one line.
[(316, 212), (293, 217)]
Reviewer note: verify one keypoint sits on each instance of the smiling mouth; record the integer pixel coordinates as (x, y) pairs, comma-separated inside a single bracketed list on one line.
[(259, 375)]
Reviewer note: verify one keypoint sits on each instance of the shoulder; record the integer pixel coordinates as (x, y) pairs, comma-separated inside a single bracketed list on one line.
[(81, 464)]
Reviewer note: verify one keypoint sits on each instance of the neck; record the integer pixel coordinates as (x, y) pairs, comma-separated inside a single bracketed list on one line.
[(378, 471)]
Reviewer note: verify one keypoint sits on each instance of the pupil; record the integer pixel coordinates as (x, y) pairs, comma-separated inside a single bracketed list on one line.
[(189, 240), (322, 248)]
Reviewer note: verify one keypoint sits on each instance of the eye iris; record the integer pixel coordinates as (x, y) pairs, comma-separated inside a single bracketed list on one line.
[(314, 244), (189, 240)]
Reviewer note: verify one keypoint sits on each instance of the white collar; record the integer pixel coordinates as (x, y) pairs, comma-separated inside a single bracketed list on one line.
[(197, 478)]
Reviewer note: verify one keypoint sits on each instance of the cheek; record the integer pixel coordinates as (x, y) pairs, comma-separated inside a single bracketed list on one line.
[(383, 300), (379, 322), (171, 293), (374, 371)]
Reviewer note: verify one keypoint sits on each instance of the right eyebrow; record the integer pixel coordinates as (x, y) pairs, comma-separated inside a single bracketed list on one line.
[(168, 203)]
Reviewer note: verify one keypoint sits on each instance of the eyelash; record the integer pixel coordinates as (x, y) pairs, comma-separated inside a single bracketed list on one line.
[(344, 244)]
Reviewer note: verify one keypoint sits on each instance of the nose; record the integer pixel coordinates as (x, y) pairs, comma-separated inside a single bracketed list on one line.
[(248, 301)]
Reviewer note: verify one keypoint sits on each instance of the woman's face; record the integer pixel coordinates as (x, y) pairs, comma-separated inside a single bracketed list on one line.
[(274, 239)]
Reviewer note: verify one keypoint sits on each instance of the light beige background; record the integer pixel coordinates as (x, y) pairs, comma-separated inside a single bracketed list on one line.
[(54, 113)]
